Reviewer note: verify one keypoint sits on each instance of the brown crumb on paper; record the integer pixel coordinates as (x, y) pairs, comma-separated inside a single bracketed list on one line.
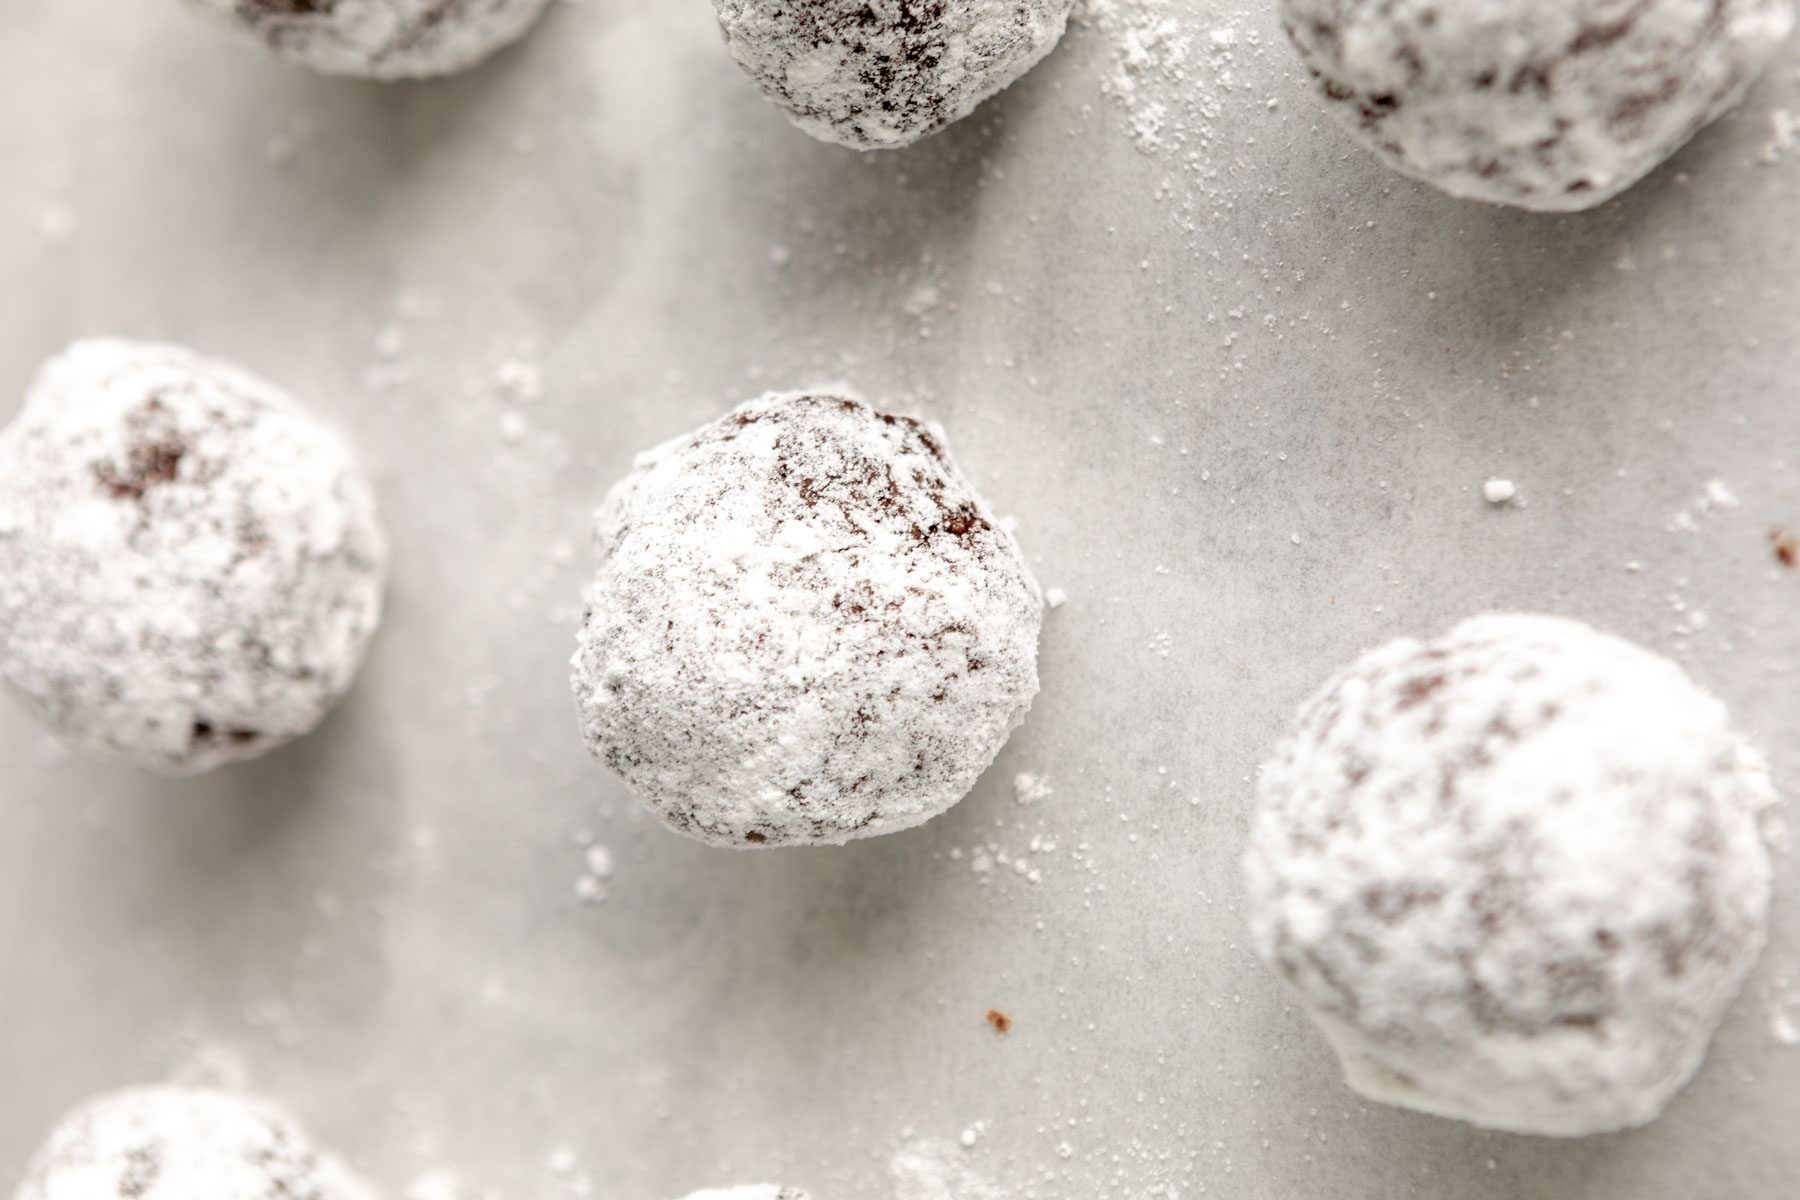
[(1787, 547), (999, 1020)]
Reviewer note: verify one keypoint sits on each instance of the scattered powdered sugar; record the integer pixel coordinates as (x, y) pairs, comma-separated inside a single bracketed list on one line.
[(597, 872), (875, 77), (190, 566), (1784, 135), (1499, 491), (1516, 875), (169, 1143), (935, 1170), (752, 1191), (1714, 497), (805, 627), (1029, 789), (379, 39), (1547, 104)]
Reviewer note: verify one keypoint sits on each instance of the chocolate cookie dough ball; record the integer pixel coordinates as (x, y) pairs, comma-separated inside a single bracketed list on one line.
[(1545, 104), (876, 74), (805, 627), (1516, 875), (168, 1143), (190, 566), (379, 39)]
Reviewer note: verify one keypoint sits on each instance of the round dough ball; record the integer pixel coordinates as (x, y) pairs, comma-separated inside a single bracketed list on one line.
[(190, 566), (1516, 875), (805, 627), (751, 1191), (877, 74), (170, 1143), (379, 39), (1554, 105)]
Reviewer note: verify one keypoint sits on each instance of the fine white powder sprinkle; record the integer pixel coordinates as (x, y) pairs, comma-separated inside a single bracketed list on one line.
[(380, 39), (1516, 875), (1547, 104), (806, 627), (884, 74), (169, 1143), (751, 1191), (190, 566)]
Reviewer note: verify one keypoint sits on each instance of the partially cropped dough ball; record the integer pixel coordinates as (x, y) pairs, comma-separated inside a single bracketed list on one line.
[(169, 1143), (1545, 104), (379, 39), (190, 566), (875, 74), (751, 1191), (806, 627), (1516, 875)]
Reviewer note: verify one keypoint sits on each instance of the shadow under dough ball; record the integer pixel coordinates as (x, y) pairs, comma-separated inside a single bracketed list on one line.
[(190, 565), (1554, 105), (1516, 875), (172, 1143), (379, 39), (878, 74), (805, 628)]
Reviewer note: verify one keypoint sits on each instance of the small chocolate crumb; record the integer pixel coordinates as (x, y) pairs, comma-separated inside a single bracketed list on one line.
[(1787, 547), (1000, 1021)]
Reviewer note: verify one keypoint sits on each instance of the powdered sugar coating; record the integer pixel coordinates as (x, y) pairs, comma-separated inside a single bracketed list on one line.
[(875, 74), (805, 627), (190, 565), (1516, 875), (168, 1143), (753, 1191), (380, 39), (1554, 105)]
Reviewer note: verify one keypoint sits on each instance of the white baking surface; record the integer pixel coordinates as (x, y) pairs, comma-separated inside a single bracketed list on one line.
[(1241, 388)]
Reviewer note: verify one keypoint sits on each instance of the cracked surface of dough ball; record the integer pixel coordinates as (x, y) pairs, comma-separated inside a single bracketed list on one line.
[(379, 39), (805, 628), (1554, 105), (171, 1143), (1516, 875), (190, 565), (879, 74)]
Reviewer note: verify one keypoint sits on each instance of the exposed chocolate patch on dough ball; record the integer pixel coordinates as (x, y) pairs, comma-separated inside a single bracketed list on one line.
[(805, 627), (1516, 875), (380, 39), (874, 74), (190, 565), (1555, 105), (168, 1143)]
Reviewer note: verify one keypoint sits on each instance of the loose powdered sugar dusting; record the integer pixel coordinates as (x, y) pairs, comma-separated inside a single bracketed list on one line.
[(751, 1191), (190, 567), (871, 74), (1516, 875), (170, 1143), (805, 627), (380, 39)]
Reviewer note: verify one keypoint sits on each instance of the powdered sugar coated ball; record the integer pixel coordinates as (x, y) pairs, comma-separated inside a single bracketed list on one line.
[(190, 566), (1545, 104), (1516, 875), (169, 1143), (875, 74), (380, 39), (754, 1191), (805, 627)]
